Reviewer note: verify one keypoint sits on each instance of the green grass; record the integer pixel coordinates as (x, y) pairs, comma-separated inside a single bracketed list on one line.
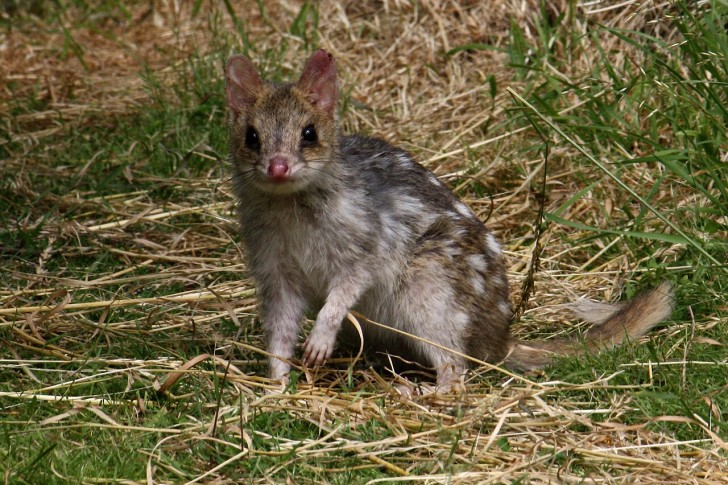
[(658, 125)]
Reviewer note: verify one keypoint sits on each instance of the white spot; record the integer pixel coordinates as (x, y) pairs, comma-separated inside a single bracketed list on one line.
[(492, 244), (407, 205), (463, 209), (477, 283), (451, 249), (461, 320), (404, 160), (501, 282), (477, 262), (505, 308), (434, 179)]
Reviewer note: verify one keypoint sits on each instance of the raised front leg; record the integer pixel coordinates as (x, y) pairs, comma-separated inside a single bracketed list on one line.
[(345, 291)]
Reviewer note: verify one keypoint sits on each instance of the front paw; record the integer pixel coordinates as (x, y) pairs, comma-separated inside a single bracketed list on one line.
[(318, 347), (278, 370)]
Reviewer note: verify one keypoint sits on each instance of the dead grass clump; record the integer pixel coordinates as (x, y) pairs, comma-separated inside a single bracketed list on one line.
[(138, 270)]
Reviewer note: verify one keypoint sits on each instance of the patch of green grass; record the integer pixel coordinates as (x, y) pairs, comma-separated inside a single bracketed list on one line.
[(77, 449), (672, 377), (663, 112), (658, 124)]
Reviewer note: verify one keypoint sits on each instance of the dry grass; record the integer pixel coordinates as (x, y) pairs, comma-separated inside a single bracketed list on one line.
[(171, 271)]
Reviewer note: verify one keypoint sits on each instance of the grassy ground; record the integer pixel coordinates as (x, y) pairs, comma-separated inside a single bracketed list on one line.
[(129, 346)]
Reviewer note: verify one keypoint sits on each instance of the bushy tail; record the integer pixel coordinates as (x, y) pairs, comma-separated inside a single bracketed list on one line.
[(613, 323)]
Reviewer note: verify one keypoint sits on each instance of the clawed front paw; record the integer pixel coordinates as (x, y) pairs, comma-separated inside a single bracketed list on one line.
[(318, 347)]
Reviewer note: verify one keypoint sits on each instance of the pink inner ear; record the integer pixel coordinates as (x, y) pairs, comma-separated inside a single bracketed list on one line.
[(242, 83), (319, 81)]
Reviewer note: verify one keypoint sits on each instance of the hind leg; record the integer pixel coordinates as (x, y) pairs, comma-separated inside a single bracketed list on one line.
[(441, 353), (454, 293), (450, 372), (428, 306), (427, 311)]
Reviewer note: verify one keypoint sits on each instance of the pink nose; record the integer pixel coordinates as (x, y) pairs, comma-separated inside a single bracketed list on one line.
[(278, 168)]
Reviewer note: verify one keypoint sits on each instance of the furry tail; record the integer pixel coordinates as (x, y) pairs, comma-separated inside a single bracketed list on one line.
[(613, 323)]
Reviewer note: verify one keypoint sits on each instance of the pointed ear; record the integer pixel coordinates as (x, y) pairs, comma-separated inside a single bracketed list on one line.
[(319, 82), (242, 83)]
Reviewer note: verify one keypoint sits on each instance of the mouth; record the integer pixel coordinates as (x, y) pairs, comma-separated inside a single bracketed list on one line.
[(279, 180), (280, 185)]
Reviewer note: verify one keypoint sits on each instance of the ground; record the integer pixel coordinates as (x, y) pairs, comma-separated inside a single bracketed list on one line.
[(589, 136)]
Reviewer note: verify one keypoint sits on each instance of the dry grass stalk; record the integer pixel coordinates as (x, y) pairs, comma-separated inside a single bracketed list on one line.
[(405, 90)]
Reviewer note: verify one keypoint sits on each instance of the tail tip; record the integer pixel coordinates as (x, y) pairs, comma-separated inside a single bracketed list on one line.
[(665, 294)]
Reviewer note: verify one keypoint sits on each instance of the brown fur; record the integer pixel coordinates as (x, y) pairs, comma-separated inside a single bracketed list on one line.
[(627, 321)]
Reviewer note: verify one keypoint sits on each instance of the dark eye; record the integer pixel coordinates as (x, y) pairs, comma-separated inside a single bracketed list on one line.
[(309, 136), (252, 140)]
